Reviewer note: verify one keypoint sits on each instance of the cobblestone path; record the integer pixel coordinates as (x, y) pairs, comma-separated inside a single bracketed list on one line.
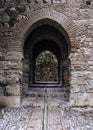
[(46, 114)]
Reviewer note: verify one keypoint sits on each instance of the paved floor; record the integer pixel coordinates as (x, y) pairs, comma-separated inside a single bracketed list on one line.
[(46, 114)]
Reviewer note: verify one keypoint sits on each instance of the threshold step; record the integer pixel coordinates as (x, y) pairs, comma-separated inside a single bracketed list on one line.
[(43, 90)]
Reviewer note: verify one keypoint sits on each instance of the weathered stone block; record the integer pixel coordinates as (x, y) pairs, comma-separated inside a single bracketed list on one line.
[(78, 82), (13, 101), (3, 101), (75, 88), (81, 99), (10, 101), (13, 90)]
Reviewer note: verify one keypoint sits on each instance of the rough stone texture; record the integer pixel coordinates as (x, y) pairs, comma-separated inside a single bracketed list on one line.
[(10, 101), (1, 91), (45, 113), (17, 20), (14, 118), (13, 90), (77, 119)]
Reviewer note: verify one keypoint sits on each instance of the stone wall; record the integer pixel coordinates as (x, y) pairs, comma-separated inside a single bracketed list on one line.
[(82, 59), (17, 20)]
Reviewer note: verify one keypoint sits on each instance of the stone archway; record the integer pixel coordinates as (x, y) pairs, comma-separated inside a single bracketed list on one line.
[(40, 16), (46, 37), (56, 19)]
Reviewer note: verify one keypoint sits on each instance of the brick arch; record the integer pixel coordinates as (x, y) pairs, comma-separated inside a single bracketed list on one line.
[(47, 15), (57, 20)]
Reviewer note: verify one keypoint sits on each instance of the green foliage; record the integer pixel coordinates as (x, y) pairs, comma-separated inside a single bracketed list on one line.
[(46, 67), (46, 56)]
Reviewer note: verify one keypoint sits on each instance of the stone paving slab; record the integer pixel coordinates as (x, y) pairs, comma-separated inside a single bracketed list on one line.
[(35, 122), (54, 119)]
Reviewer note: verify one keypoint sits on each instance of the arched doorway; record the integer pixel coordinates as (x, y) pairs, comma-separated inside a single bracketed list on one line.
[(38, 48), (46, 37)]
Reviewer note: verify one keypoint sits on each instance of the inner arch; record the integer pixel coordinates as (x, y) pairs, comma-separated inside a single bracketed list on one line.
[(49, 46)]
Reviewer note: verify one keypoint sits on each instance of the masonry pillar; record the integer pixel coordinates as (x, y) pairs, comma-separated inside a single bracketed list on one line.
[(66, 78), (10, 83)]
